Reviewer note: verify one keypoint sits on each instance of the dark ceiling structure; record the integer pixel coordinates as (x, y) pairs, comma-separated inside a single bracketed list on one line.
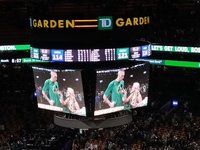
[(173, 22)]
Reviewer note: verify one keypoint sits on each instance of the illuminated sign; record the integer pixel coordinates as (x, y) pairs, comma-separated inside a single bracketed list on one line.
[(35, 53), (90, 55), (101, 23), (105, 23), (4, 60), (145, 50), (135, 52), (44, 54), (173, 63), (122, 53), (14, 47), (182, 49), (57, 55), (135, 21), (160, 48), (31, 60)]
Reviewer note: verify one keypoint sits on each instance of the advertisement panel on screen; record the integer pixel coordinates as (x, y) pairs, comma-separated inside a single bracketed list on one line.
[(59, 90), (99, 22), (121, 89)]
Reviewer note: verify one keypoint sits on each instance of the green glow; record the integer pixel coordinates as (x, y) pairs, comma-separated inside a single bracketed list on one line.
[(183, 49), (174, 63), (187, 64), (14, 47), (32, 60)]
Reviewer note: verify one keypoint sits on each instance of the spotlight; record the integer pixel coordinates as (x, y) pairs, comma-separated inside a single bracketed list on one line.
[(35, 94), (174, 103)]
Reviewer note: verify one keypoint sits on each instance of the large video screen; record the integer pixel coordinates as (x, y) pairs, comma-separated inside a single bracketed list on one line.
[(59, 90), (90, 55), (121, 89)]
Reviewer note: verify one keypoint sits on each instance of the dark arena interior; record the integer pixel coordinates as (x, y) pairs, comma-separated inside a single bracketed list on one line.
[(99, 75)]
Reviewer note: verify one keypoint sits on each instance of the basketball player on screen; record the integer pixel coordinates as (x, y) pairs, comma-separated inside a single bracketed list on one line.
[(115, 89), (135, 96), (51, 89), (71, 101)]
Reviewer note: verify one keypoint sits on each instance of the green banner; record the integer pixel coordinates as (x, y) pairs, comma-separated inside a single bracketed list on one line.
[(22, 47), (186, 64), (173, 63), (14, 47), (161, 48), (182, 49), (32, 60)]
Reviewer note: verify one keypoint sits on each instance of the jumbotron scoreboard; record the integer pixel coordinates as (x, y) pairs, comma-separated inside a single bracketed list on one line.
[(90, 55)]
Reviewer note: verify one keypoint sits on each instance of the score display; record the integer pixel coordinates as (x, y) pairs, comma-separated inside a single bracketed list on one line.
[(93, 55), (90, 55)]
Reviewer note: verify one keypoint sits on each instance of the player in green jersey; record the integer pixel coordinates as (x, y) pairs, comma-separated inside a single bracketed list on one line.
[(50, 90), (115, 90)]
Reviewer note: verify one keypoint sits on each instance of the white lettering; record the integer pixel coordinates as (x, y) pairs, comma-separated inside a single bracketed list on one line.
[(168, 48), (8, 47), (156, 47), (181, 49), (195, 50)]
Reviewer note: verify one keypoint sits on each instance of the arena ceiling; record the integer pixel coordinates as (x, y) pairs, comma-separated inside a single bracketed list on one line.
[(15, 14)]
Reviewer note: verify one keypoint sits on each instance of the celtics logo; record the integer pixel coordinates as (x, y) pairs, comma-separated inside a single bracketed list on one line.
[(119, 88), (55, 88)]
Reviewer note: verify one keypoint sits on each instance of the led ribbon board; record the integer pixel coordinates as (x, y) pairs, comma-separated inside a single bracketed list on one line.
[(90, 55), (21, 60), (183, 49), (173, 63), (14, 47)]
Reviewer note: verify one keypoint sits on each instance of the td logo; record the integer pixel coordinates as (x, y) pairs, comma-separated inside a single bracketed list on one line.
[(105, 23)]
